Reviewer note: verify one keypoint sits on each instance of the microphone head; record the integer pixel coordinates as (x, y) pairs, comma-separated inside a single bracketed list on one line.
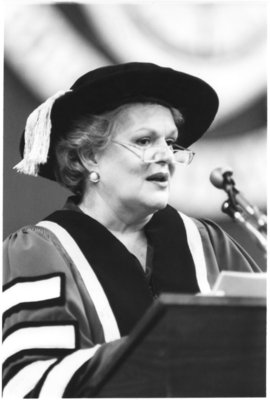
[(217, 176)]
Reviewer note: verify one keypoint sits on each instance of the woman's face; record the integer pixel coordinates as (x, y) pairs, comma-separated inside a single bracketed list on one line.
[(126, 182)]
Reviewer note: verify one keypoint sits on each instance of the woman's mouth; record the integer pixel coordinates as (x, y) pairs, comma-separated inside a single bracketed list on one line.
[(160, 178)]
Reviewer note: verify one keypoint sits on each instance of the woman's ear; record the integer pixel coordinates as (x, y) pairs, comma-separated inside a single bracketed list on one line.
[(90, 165), (88, 161)]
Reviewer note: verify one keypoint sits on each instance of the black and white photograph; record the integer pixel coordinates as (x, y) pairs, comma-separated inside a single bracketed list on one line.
[(134, 166)]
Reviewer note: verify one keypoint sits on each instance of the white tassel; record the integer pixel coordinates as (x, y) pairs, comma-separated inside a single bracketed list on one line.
[(37, 137)]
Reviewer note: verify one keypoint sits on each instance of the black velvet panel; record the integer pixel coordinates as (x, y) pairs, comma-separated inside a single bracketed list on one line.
[(173, 266)]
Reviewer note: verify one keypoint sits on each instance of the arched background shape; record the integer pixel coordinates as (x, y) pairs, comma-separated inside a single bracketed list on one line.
[(48, 46)]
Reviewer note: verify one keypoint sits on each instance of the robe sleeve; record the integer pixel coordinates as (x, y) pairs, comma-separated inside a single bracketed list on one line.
[(222, 252), (50, 326)]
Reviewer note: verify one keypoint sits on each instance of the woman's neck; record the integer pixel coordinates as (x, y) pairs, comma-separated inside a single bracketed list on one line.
[(125, 227), (116, 219)]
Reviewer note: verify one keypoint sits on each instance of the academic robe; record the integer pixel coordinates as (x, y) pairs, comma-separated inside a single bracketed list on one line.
[(73, 292)]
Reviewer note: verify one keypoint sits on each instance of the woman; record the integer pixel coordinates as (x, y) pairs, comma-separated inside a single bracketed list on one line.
[(77, 283)]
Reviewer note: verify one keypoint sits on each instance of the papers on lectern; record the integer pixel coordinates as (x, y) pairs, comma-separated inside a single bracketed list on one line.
[(240, 284)]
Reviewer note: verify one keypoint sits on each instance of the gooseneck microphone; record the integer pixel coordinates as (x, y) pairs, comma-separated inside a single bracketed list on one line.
[(238, 207), (221, 178)]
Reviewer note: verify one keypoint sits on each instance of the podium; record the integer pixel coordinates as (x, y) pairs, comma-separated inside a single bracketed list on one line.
[(192, 346)]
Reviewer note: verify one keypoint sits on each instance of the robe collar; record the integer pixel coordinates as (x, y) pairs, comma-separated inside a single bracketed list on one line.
[(128, 290)]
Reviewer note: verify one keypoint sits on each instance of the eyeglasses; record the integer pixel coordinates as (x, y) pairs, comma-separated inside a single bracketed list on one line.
[(151, 154)]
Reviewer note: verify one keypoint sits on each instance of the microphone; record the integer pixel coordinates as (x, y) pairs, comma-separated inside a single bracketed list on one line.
[(238, 207), (221, 178)]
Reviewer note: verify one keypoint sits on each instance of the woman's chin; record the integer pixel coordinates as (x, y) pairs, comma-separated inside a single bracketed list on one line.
[(157, 204)]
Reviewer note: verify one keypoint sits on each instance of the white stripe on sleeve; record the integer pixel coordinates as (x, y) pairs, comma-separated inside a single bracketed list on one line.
[(39, 337), (196, 249), (60, 375), (32, 291), (95, 290), (26, 379)]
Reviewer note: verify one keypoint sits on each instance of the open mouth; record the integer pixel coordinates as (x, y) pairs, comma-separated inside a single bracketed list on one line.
[(158, 177)]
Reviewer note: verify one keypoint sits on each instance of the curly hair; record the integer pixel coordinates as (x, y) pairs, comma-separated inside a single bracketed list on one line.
[(85, 137)]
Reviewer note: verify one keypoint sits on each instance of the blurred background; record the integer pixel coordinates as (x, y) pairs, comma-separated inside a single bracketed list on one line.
[(47, 47)]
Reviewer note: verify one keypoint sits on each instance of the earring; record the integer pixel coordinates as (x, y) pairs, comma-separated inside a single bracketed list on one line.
[(94, 176)]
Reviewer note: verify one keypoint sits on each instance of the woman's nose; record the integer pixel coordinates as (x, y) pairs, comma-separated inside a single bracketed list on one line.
[(165, 154)]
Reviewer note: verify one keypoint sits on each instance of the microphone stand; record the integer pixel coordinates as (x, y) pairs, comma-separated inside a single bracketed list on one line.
[(240, 210)]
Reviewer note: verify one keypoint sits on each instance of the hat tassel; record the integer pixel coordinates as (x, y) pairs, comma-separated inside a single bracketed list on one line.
[(37, 137)]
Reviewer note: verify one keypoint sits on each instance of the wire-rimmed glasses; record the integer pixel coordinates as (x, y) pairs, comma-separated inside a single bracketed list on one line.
[(151, 154)]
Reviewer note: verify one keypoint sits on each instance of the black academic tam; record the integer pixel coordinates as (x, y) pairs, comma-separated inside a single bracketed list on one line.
[(106, 88)]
